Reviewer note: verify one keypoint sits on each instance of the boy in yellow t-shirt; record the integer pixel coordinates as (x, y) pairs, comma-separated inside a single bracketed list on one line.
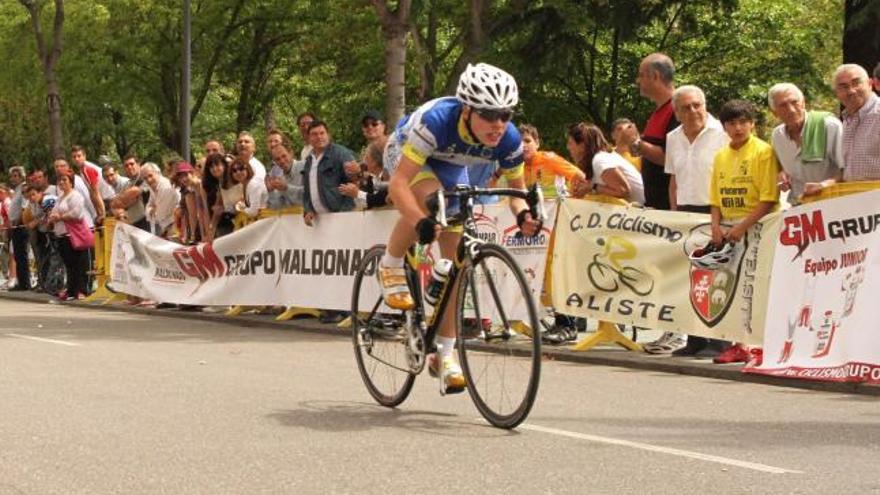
[(743, 189)]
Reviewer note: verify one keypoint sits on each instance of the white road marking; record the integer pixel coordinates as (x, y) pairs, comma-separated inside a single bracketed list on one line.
[(40, 339), (663, 450)]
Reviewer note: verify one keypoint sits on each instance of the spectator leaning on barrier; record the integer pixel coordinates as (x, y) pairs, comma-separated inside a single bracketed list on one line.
[(303, 121), (690, 152), (285, 181), (544, 167), (656, 73), (39, 227), (115, 181), (18, 233), (220, 222), (91, 174), (63, 168), (163, 199), (70, 207), (192, 213), (246, 147), (861, 123), (254, 189), (808, 145), (743, 190), (369, 186), (619, 129), (323, 173), (129, 204), (607, 172)]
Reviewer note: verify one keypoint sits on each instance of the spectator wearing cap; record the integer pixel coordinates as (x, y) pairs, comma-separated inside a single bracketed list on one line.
[(861, 123), (372, 127), (323, 173), (808, 145)]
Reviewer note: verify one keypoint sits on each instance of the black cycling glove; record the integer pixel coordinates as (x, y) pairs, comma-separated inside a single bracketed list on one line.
[(426, 230)]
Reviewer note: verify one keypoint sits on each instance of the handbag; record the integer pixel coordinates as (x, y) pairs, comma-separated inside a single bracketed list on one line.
[(81, 236)]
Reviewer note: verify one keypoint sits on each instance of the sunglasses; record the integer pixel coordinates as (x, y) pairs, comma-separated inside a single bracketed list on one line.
[(373, 123), (238, 169), (494, 115)]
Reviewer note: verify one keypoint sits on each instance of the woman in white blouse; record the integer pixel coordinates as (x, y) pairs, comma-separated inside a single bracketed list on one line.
[(608, 173), (255, 193), (70, 207), (163, 199)]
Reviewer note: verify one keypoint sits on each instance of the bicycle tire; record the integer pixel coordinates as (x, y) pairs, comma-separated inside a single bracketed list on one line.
[(631, 280), (519, 351), (368, 341)]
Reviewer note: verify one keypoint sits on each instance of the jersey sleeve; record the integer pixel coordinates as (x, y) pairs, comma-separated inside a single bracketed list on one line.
[(560, 166), (766, 174), (423, 139)]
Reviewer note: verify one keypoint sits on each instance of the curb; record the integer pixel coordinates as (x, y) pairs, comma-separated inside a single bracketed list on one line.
[(605, 356)]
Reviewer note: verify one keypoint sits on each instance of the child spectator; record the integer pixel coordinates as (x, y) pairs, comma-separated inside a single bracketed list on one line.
[(743, 189)]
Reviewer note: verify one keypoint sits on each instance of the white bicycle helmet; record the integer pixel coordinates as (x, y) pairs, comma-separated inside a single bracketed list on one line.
[(487, 87), (712, 257)]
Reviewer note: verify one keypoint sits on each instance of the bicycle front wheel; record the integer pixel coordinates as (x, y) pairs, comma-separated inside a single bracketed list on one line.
[(499, 337), (379, 336)]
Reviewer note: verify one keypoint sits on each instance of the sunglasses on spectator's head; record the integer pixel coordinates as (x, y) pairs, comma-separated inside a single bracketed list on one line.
[(494, 115)]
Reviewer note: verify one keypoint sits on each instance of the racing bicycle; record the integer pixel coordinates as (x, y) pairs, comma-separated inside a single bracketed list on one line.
[(496, 321)]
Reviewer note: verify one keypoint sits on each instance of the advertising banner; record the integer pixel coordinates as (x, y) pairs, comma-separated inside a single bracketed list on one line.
[(279, 261), (823, 318), (630, 265)]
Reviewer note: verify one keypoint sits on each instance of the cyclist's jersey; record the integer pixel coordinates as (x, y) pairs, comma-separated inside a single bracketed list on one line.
[(434, 135)]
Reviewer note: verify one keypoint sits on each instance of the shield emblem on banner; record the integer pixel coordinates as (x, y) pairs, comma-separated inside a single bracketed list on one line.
[(712, 290)]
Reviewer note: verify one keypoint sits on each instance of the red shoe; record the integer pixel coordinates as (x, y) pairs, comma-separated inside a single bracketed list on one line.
[(756, 357), (736, 353)]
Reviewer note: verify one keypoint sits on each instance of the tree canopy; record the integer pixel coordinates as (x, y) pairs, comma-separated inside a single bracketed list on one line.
[(259, 63)]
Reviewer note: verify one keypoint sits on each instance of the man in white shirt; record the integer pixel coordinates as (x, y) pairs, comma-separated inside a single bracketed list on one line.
[(245, 146), (690, 153), (808, 145), (690, 150)]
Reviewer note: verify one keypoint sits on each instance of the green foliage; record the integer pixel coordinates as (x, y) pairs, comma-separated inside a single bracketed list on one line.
[(259, 62)]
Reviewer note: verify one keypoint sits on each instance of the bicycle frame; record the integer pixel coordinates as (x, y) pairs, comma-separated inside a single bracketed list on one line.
[(467, 248)]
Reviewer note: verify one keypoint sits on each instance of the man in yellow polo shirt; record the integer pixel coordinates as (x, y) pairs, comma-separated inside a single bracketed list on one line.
[(743, 187)]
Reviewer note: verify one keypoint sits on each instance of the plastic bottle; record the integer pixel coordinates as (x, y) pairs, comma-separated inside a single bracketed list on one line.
[(439, 275)]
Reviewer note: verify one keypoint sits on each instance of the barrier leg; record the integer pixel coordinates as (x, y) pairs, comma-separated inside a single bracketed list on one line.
[(101, 293), (234, 310), (606, 333), (294, 311)]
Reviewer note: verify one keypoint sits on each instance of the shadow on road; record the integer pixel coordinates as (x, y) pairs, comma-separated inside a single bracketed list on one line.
[(339, 416)]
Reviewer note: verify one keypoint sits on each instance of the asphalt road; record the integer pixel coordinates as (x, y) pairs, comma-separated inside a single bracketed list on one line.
[(109, 402)]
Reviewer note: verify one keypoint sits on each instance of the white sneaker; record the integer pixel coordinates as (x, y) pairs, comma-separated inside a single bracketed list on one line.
[(668, 343)]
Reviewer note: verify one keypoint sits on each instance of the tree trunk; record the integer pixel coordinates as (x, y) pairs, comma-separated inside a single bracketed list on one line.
[(473, 45), (49, 58), (861, 45), (395, 28)]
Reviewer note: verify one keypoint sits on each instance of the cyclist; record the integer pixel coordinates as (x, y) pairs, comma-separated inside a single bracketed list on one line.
[(431, 149)]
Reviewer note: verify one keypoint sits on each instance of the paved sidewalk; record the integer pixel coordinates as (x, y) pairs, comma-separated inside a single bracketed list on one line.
[(602, 355)]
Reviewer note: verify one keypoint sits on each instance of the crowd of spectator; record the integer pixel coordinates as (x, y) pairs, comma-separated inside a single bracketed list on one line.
[(684, 159)]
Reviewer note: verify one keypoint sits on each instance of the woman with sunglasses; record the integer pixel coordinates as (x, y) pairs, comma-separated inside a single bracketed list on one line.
[(254, 198), (432, 149)]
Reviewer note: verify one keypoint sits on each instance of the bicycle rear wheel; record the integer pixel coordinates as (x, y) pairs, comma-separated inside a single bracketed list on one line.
[(501, 359), (379, 336)]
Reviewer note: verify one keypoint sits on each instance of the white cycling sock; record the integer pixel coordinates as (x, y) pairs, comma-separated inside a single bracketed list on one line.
[(389, 261), (447, 346)]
